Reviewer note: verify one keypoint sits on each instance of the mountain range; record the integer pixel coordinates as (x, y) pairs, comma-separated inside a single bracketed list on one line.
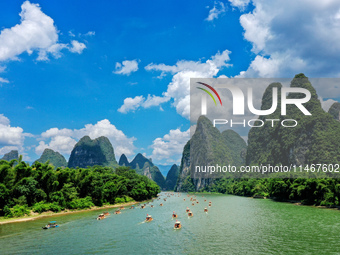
[(315, 140)]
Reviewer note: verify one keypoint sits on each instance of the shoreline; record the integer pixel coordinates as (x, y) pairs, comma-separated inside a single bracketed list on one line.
[(65, 212)]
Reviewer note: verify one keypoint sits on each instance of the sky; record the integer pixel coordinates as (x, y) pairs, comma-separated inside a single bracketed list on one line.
[(122, 69)]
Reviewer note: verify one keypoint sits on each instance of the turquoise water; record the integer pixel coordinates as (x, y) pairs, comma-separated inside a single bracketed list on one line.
[(233, 225)]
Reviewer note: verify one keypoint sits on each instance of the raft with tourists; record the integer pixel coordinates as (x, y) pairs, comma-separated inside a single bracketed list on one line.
[(178, 225), (52, 224)]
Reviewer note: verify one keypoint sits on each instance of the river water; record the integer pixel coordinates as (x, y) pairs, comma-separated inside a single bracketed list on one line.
[(233, 225)]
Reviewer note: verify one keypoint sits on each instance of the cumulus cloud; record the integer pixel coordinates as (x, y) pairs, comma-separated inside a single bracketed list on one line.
[(290, 37), (126, 67), (170, 146), (179, 88), (53, 132), (63, 140), (62, 144), (216, 11), (36, 32), (11, 138)]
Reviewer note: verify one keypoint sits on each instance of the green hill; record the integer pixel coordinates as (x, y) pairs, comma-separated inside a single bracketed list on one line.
[(88, 152), (54, 158)]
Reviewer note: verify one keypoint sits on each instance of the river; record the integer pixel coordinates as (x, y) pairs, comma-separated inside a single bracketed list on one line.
[(233, 225)]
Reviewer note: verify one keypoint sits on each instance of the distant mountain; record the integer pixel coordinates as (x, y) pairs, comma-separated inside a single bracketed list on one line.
[(171, 178), (314, 140), (139, 161), (208, 147), (13, 154), (335, 111), (144, 166), (123, 161), (55, 158), (88, 152)]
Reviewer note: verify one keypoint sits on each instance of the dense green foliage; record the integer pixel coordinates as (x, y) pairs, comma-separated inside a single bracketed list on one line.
[(88, 152), (309, 191), (53, 157), (41, 187)]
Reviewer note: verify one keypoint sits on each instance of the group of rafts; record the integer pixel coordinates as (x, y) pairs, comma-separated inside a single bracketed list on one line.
[(149, 218), (104, 214), (178, 224)]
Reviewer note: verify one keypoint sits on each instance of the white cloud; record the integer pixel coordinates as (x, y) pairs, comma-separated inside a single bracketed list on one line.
[(170, 146), (154, 101), (70, 33), (90, 33), (126, 67), (216, 11), (131, 104), (241, 4), (3, 80), (179, 88), (11, 138), (63, 140), (11, 135), (52, 132), (62, 144), (36, 32), (77, 47), (4, 120), (290, 37)]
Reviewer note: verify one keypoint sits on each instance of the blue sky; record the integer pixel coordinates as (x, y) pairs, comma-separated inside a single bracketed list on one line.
[(121, 68)]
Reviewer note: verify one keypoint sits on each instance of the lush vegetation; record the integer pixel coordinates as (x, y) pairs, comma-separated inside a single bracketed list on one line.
[(40, 187), (325, 191)]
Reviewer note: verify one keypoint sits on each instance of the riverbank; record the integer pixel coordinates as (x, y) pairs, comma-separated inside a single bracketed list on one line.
[(35, 216)]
